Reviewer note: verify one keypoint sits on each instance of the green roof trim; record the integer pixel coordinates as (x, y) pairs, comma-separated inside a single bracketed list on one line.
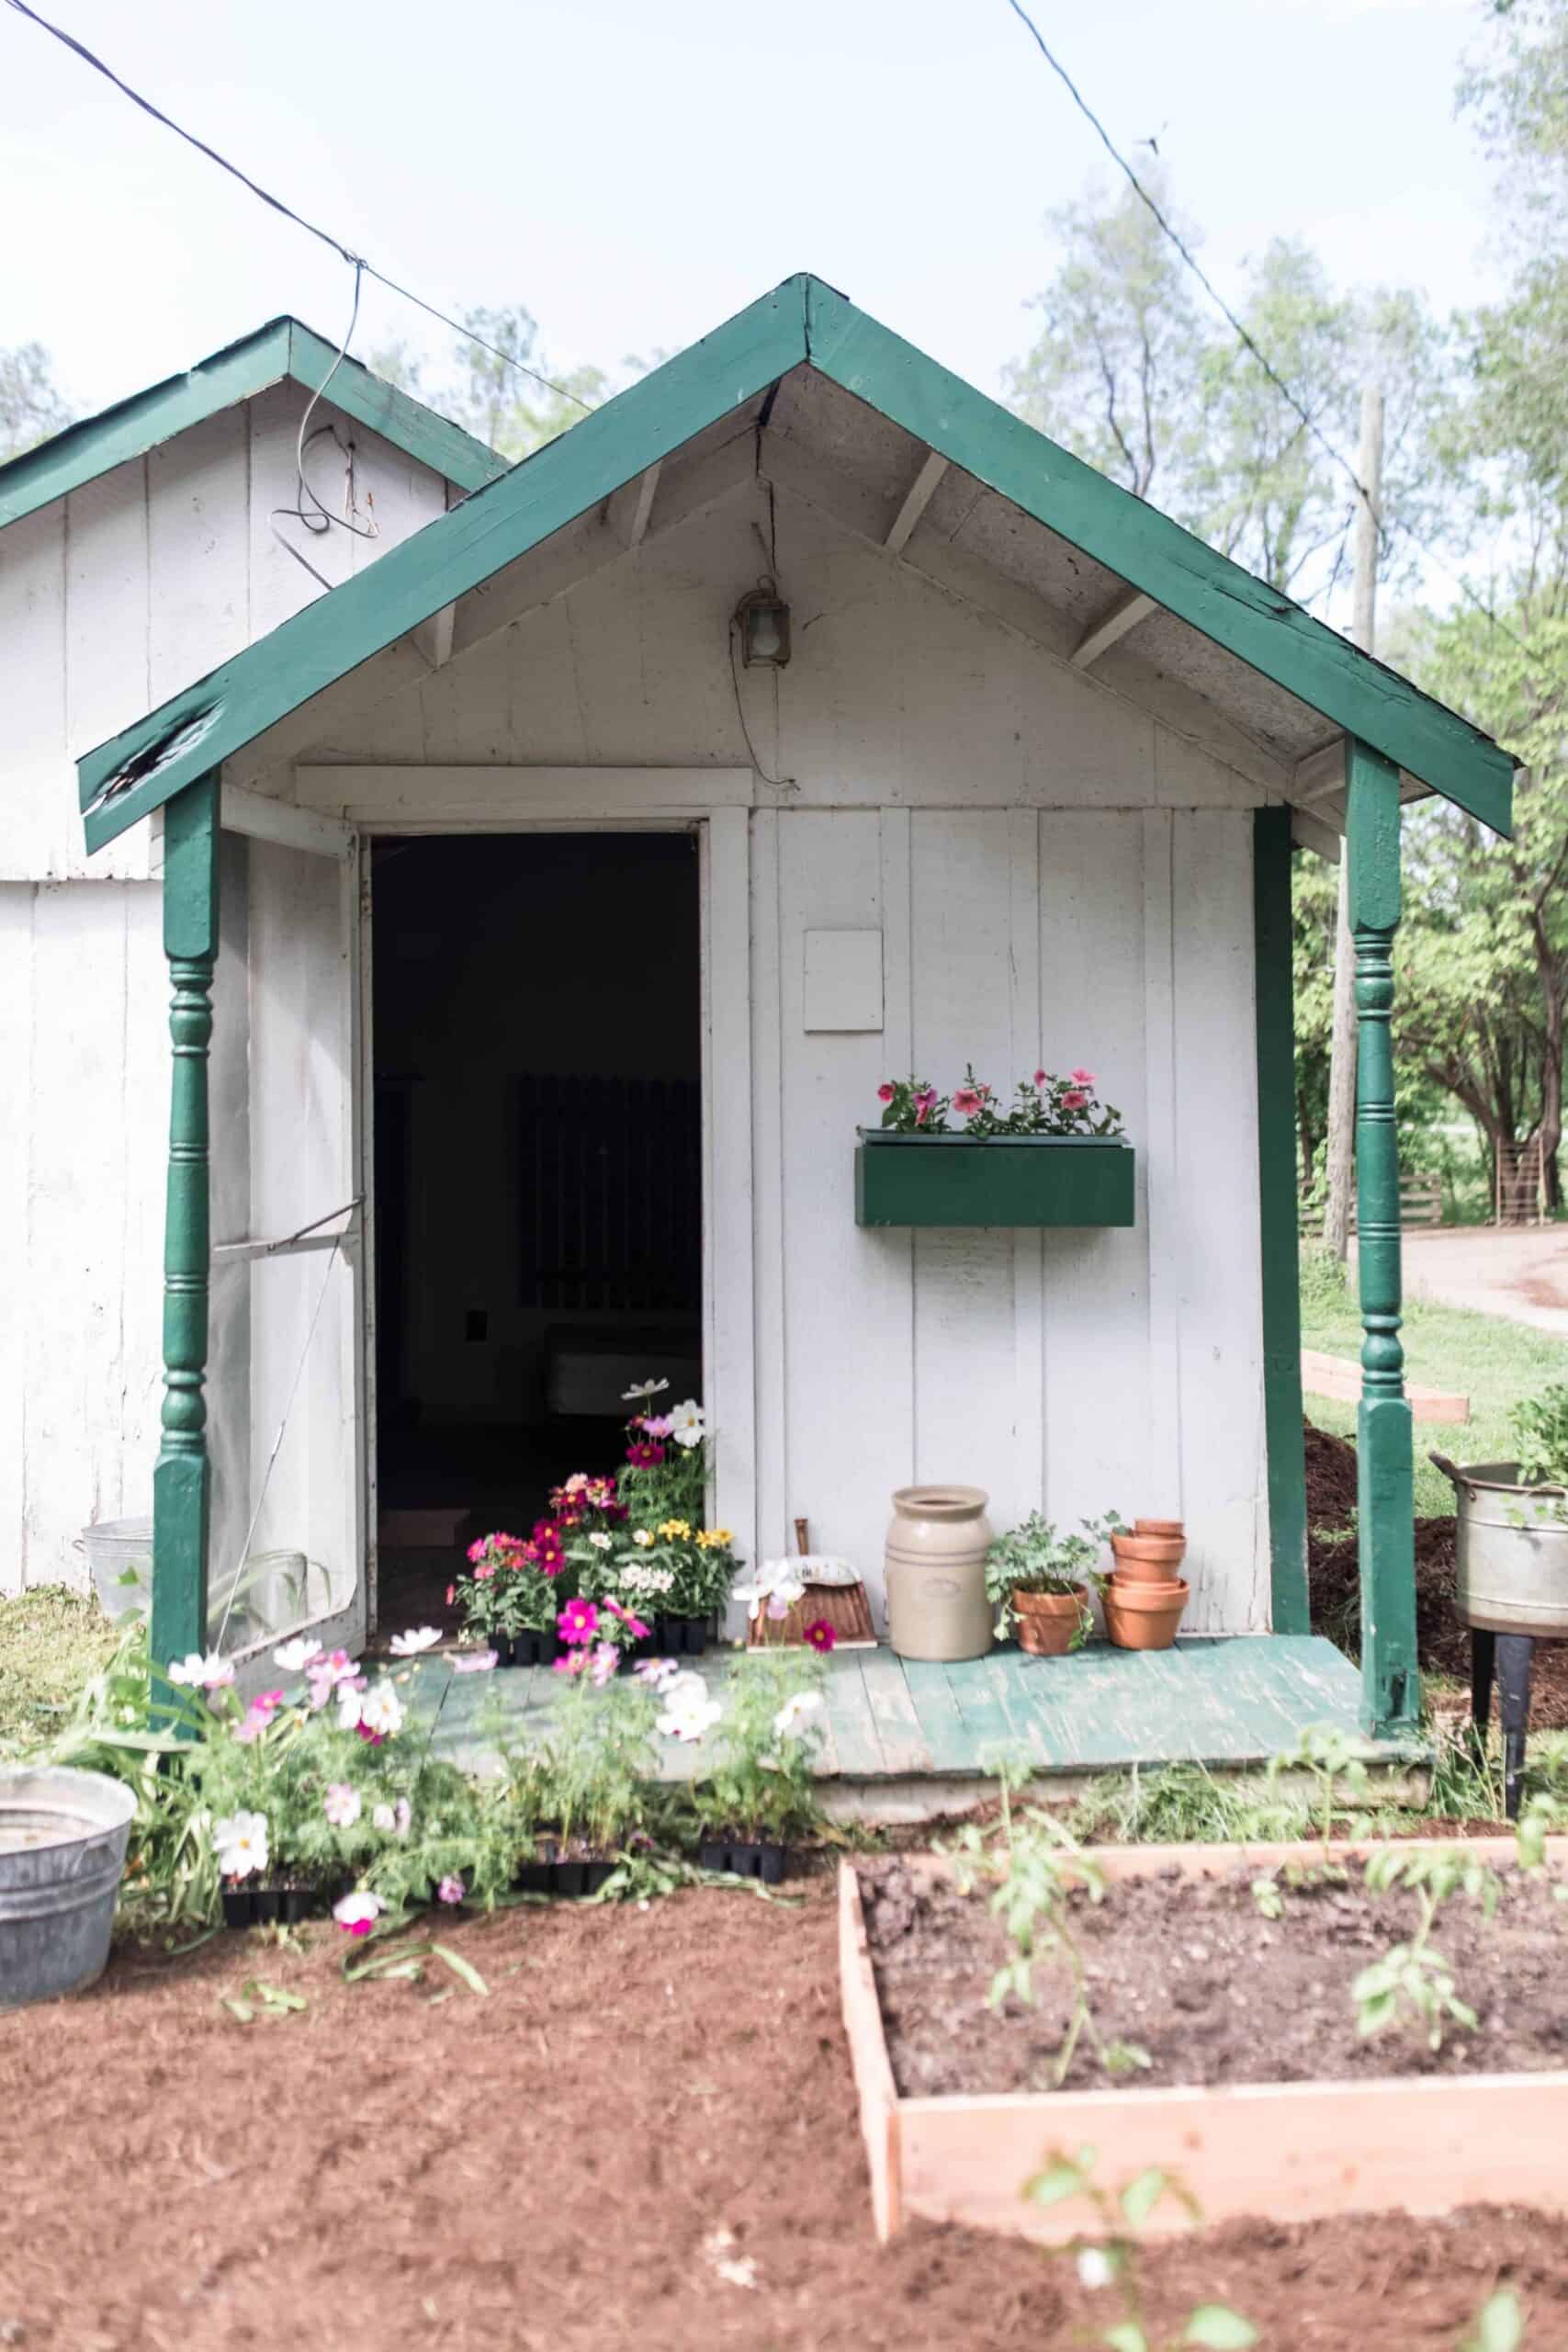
[(800, 321), (284, 350)]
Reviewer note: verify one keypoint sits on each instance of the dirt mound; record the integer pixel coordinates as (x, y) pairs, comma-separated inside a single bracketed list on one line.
[(1331, 1478)]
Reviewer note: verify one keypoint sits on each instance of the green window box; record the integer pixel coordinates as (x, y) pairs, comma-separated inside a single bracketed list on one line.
[(1008, 1180)]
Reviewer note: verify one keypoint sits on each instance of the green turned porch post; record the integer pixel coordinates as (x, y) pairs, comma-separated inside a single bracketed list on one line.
[(182, 1478), (1391, 1689)]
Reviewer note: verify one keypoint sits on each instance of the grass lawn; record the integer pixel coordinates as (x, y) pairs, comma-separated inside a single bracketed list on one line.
[(51, 1642), (1490, 1361)]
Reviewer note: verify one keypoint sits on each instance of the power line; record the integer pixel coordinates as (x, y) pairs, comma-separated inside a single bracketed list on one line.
[(355, 261), (1241, 332)]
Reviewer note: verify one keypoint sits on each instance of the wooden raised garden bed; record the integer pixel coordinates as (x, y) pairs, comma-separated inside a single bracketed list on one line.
[(1423, 2142), (1008, 1180)]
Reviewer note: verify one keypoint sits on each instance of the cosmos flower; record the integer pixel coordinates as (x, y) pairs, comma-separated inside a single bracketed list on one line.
[(418, 1638), (688, 1423), (240, 1842), (451, 1889), (577, 1621), (794, 1712), (820, 1634), (199, 1673), (357, 1913), (342, 1804), (294, 1657)]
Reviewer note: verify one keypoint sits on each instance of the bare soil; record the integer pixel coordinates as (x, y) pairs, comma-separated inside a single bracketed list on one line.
[(1442, 1643), (1192, 1974), (550, 2169)]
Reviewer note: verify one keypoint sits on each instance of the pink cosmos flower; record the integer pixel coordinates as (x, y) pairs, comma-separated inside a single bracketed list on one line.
[(342, 1804), (330, 1674), (966, 1101), (820, 1634), (643, 1456), (634, 1626), (451, 1594), (885, 1092), (357, 1913), (658, 1426), (577, 1621), (658, 1671), (606, 1660), (451, 1889), (252, 1723), (1074, 1099), (573, 1663), (548, 1552), (1082, 1077)]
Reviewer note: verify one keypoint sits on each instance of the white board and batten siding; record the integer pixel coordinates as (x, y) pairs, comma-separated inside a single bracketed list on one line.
[(110, 600), (1054, 875)]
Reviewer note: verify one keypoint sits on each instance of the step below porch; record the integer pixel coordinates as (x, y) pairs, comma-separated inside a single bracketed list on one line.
[(907, 1740)]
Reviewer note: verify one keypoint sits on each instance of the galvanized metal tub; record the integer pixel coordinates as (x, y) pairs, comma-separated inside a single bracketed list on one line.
[(63, 1840), (1511, 1549)]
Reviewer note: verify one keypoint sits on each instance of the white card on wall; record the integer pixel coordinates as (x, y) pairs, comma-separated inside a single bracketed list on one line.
[(843, 979)]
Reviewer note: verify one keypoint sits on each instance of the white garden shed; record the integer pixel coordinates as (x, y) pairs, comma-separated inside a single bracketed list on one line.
[(651, 921)]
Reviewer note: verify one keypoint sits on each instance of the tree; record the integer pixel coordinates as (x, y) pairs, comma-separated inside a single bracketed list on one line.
[(31, 407), (489, 394)]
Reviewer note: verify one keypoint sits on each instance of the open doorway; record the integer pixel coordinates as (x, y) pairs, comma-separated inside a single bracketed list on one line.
[(536, 1021)]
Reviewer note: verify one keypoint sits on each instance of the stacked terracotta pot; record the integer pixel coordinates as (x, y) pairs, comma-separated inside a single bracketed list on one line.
[(1146, 1597)]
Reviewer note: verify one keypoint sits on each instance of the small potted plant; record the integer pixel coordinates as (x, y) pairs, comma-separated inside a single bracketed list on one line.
[(767, 1725), (666, 1466), (1511, 1550), (511, 1594), (1039, 1581), (591, 1783)]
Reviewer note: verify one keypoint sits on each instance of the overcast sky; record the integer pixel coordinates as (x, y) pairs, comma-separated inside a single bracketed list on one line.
[(635, 172)]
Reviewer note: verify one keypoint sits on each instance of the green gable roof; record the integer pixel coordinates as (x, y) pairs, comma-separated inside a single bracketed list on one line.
[(283, 351), (801, 322)]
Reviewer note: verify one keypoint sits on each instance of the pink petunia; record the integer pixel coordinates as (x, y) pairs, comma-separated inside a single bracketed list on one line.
[(1082, 1077), (885, 1092), (1040, 1076), (922, 1112), (577, 1621), (966, 1101), (1074, 1099)]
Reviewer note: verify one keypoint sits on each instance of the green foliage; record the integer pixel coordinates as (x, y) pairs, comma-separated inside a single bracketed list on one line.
[(488, 396), (1112, 2257), (1184, 1805), (1540, 1433), (1032, 1557), (757, 1782), (51, 1642), (1043, 1105), (599, 1754), (1334, 1760), (1412, 1984), (31, 407)]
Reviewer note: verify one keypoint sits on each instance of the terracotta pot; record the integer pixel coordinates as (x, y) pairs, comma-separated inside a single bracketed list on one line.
[(1149, 1559), (1159, 1526), (1144, 1616), (935, 1566), (1048, 1620)]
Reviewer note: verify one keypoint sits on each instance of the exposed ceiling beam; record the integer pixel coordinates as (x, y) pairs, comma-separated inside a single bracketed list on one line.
[(1312, 833), (1320, 774), (916, 500), (647, 487), (1125, 614), (434, 637)]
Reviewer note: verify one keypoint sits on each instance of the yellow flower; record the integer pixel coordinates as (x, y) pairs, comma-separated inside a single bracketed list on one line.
[(714, 1539), (676, 1529)]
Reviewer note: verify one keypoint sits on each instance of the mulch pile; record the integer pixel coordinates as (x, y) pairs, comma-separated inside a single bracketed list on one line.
[(1442, 1643), (646, 2136)]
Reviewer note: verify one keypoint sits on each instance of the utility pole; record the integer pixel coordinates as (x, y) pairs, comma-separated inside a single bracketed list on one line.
[(1342, 1055)]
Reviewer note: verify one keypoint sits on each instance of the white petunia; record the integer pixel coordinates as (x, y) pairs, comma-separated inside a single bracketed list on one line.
[(294, 1657), (196, 1672), (640, 1390), (688, 1424), (240, 1842), (417, 1638), (794, 1712)]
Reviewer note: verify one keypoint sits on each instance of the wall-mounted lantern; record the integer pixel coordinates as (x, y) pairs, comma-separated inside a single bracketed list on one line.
[(762, 619)]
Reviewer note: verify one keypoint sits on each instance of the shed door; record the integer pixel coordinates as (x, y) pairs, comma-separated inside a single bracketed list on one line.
[(285, 1418)]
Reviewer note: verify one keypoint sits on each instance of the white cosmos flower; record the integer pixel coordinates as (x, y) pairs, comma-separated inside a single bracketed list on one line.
[(342, 1804), (358, 1912), (690, 1720), (391, 1820), (642, 1389), (600, 1542), (380, 1710), (209, 1673), (418, 1637), (241, 1844), (294, 1657), (794, 1712), (688, 1424), (778, 1585)]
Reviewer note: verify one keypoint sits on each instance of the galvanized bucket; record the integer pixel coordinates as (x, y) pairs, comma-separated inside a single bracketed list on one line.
[(1512, 1549), (63, 1840)]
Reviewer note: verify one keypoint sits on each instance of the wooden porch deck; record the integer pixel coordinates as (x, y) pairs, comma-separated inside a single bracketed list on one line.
[(905, 1739)]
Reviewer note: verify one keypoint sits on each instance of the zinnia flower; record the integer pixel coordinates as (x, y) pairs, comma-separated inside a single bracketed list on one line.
[(451, 1889), (341, 1805), (600, 1542), (577, 1621), (820, 1634), (240, 1842), (688, 1423), (418, 1638), (643, 1455), (294, 1657), (357, 1913)]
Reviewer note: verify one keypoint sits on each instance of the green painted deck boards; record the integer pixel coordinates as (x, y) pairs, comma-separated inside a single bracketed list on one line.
[(1214, 1702)]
